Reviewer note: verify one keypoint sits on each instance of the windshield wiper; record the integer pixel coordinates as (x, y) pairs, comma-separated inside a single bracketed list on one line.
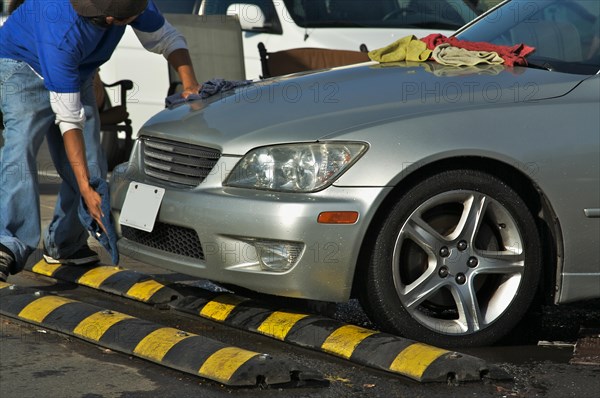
[(434, 25), (545, 66)]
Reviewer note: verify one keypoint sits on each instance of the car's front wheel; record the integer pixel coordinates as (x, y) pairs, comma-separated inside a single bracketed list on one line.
[(456, 262)]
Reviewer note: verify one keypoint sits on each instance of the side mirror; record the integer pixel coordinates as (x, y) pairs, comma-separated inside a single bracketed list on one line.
[(251, 17)]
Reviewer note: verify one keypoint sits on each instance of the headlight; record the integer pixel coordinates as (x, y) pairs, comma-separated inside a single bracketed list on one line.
[(295, 167)]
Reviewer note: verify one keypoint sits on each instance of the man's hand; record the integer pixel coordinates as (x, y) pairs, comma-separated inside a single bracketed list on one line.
[(187, 91), (93, 201)]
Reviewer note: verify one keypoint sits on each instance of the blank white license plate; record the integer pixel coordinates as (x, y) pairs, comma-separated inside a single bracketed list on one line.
[(141, 206)]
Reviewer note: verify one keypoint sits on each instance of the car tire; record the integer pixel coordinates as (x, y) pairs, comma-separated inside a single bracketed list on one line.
[(456, 261)]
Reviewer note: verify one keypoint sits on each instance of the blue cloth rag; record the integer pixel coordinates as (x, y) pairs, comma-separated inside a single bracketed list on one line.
[(108, 241), (209, 88)]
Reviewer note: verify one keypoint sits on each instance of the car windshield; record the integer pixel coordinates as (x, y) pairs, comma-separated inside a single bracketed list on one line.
[(424, 14), (565, 33)]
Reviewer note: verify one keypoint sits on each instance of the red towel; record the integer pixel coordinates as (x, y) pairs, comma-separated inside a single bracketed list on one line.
[(514, 55)]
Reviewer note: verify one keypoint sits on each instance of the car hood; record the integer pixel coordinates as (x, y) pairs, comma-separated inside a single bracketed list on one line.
[(327, 104)]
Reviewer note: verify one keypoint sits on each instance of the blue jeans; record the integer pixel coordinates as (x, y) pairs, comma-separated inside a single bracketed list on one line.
[(28, 118)]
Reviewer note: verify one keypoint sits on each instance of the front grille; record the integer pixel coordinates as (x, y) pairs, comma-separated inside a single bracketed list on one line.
[(168, 238), (177, 162)]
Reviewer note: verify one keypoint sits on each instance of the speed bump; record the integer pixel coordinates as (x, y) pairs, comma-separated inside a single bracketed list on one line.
[(418, 361), (111, 279), (177, 349)]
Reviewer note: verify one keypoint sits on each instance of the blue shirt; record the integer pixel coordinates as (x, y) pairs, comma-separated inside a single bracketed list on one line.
[(61, 46)]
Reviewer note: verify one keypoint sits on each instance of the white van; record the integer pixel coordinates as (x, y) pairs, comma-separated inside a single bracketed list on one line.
[(284, 24), (338, 24)]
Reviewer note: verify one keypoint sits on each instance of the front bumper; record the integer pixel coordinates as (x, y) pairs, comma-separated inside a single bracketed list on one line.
[(226, 221)]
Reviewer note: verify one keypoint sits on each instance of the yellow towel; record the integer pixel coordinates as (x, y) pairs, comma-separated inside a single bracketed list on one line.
[(408, 48)]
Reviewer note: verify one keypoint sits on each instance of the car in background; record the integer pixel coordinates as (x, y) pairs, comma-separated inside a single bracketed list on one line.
[(336, 24), (280, 25), (447, 199)]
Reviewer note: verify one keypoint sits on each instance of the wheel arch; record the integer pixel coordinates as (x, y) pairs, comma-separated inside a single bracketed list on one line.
[(515, 177)]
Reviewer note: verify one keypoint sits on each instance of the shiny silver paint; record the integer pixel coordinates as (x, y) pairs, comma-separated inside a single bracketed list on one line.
[(539, 124)]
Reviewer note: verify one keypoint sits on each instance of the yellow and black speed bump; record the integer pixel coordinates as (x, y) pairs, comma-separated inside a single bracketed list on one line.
[(111, 279), (417, 361), (167, 346)]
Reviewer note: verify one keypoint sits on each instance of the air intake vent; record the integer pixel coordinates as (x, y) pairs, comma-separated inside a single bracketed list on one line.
[(177, 162), (168, 238)]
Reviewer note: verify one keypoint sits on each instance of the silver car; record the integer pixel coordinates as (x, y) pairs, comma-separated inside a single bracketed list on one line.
[(447, 199)]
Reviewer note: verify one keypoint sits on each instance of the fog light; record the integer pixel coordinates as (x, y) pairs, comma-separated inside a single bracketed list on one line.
[(277, 256)]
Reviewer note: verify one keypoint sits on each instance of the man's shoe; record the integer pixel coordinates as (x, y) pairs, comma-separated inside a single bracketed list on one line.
[(83, 256), (7, 261)]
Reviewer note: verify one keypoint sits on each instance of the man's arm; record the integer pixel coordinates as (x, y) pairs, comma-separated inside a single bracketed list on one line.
[(180, 60), (70, 117), (158, 36), (75, 148)]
